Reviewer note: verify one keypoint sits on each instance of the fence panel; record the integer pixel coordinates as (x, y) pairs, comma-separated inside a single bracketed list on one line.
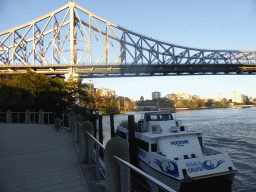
[(3, 117)]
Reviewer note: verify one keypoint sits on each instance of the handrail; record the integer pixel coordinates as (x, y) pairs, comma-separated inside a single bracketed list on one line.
[(9, 120), (98, 160), (95, 140), (143, 174), (93, 137)]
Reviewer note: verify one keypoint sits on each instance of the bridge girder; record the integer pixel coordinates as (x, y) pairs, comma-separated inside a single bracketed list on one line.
[(74, 39)]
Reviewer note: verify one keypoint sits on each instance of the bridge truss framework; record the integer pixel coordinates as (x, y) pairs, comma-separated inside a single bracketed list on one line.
[(72, 40)]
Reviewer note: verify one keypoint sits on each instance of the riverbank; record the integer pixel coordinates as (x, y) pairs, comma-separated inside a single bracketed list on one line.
[(197, 108), (178, 109)]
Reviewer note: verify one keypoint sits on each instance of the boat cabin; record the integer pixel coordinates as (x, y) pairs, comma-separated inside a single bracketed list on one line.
[(160, 133)]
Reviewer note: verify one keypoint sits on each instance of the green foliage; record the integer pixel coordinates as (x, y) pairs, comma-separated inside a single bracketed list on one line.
[(35, 91), (218, 104), (209, 103)]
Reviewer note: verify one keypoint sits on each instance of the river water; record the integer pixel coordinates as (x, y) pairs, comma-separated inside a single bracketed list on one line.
[(232, 131)]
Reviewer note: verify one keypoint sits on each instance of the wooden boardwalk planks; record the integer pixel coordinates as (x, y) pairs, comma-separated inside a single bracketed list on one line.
[(37, 158)]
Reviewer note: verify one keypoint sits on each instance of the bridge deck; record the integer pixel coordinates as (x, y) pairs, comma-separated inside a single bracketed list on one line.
[(37, 158)]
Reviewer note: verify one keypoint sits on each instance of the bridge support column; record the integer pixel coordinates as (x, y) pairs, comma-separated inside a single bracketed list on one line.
[(72, 75)]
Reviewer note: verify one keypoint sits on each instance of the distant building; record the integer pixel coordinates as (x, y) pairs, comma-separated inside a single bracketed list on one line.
[(171, 96), (106, 92), (141, 98), (206, 99), (218, 96), (196, 97), (239, 98), (156, 95), (184, 95)]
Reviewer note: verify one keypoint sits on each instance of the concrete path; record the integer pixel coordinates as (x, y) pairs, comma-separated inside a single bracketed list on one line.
[(36, 158)]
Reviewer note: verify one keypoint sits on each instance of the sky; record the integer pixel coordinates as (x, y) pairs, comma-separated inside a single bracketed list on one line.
[(219, 24)]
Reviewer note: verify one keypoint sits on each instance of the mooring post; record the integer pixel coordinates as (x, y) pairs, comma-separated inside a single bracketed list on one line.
[(132, 142), (78, 120), (95, 117), (87, 147), (100, 133), (116, 176), (112, 125)]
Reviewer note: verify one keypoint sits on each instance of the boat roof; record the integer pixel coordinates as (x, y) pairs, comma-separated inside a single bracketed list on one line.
[(152, 112), (160, 112), (164, 134)]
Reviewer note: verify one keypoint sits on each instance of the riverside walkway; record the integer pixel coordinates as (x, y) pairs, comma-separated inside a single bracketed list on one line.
[(36, 158)]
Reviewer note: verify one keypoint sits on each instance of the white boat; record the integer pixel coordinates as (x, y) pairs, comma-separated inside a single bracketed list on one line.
[(176, 156)]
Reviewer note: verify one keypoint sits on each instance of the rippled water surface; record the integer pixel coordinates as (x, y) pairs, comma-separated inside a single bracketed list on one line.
[(230, 130)]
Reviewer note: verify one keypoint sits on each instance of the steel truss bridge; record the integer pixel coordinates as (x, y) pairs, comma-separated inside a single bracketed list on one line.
[(72, 40)]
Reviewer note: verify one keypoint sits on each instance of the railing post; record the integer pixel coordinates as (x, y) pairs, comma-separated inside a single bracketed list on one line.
[(78, 118), (94, 115), (71, 120), (97, 161), (63, 119), (100, 133), (9, 116), (132, 143), (112, 125), (87, 148), (119, 147), (48, 117), (41, 116), (18, 117), (123, 178), (100, 128), (27, 116)]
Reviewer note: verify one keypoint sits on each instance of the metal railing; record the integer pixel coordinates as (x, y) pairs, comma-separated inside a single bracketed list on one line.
[(123, 165), (31, 117)]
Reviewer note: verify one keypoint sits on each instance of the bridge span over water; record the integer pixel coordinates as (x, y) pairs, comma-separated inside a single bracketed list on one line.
[(72, 40)]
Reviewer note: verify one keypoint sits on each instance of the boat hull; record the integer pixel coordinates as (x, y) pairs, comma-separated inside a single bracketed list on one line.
[(216, 182)]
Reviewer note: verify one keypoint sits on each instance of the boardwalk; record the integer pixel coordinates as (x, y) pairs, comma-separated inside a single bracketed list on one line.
[(35, 158)]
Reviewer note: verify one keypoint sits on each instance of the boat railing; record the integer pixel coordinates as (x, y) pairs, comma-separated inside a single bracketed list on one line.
[(139, 127)]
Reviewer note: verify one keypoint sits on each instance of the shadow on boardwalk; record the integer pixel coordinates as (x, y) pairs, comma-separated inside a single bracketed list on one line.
[(36, 158)]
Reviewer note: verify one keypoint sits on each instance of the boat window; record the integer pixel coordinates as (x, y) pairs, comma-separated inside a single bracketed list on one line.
[(200, 141), (121, 134), (162, 117), (153, 118), (154, 147), (165, 117), (142, 144)]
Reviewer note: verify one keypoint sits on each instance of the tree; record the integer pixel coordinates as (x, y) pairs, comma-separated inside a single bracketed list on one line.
[(209, 103), (34, 91), (218, 104)]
